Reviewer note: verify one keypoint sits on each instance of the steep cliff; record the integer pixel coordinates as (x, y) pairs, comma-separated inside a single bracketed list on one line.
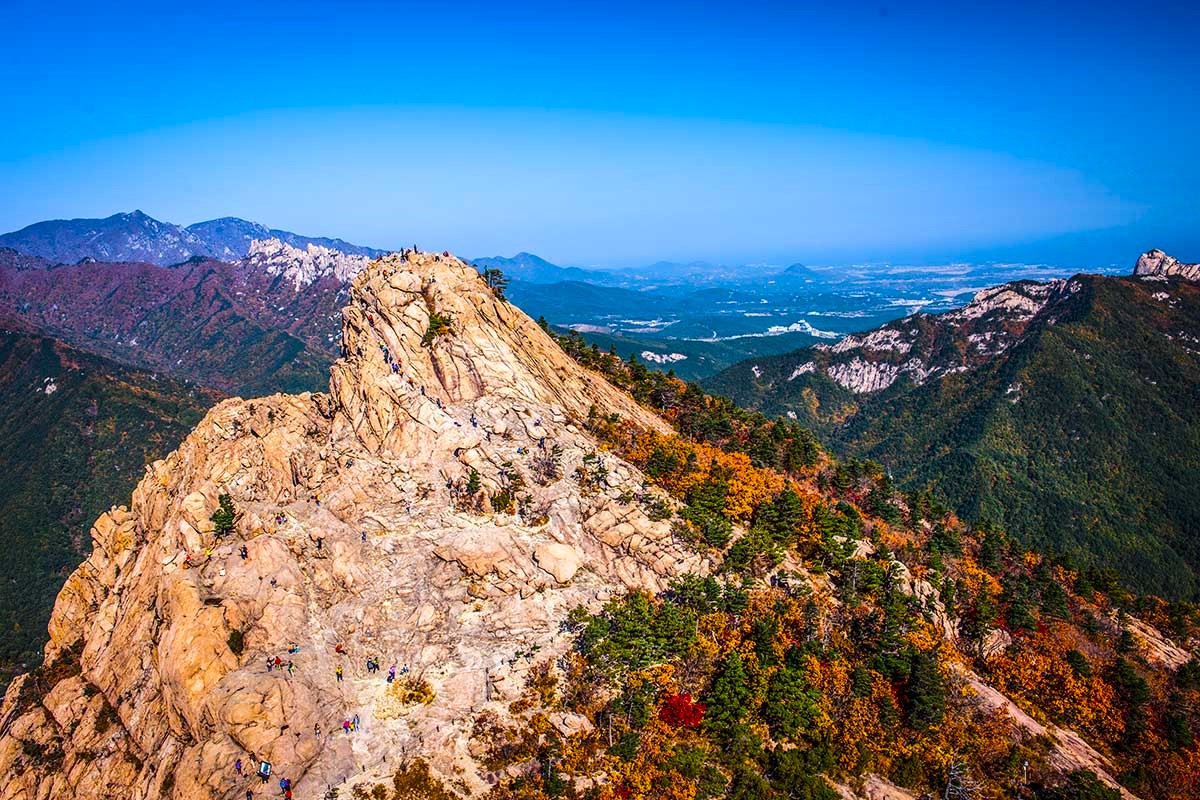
[(440, 509)]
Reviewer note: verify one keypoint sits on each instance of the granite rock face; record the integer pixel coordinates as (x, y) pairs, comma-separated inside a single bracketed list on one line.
[(1157, 264), (361, 541)]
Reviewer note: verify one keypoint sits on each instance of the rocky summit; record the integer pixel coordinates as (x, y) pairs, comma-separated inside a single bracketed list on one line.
[(1157, 264), (440, 510)]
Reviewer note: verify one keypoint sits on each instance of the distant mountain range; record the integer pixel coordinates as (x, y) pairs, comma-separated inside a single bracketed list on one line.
[(245, 328), (1067, 411), (535, 269), (137, 237)]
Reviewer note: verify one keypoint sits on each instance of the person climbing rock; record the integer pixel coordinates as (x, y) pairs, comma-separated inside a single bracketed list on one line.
[(317, 730), (249, 795), (245, 553), (346, 725), (364, 536), (320, 541), (291, 668), (237, 766), (391, 673), (270, 663), (354, 722), (339, 649), (338, 672), (278, 662)]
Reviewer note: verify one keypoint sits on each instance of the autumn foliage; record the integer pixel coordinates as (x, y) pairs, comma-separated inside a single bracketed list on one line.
[(679, 711), (844, 632)]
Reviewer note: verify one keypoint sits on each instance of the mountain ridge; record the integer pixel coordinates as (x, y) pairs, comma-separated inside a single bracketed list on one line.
[(136, 236), (963, 400), (501, 517), (388, 452)]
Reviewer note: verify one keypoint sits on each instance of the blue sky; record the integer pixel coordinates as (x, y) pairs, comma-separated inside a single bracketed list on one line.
[(622, 133)]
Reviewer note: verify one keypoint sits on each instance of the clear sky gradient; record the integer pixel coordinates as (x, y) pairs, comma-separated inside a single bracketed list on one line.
[(623, 133)]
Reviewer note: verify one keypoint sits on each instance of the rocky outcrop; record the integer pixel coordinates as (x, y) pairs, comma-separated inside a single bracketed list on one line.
[(356, 539), (1157, 264), (303, 267), (921, 347)]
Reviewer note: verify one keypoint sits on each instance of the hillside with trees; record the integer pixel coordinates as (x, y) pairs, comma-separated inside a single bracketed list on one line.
[(77, 432), (1078, 434), (853, 636)]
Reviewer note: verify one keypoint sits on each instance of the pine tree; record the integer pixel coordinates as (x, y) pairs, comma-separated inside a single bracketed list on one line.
[(726, 706), (926, 691), (790, 704), (224, 517), (495, 281)]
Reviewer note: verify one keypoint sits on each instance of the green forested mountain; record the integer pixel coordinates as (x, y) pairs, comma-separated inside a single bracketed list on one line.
[(76, 432), (1067, 412)]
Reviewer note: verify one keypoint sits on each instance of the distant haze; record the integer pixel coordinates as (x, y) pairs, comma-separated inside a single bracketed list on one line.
[(620, 136)]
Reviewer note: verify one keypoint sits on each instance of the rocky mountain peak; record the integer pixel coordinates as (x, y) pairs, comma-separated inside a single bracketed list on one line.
[(427, 322), (1154, 264), (441, 510), (303, 266)]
